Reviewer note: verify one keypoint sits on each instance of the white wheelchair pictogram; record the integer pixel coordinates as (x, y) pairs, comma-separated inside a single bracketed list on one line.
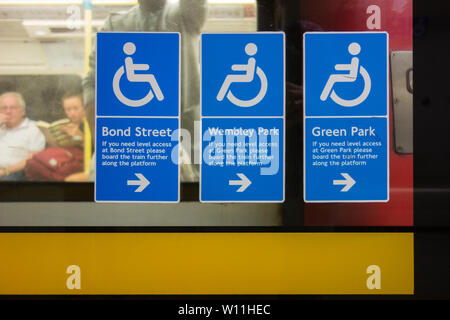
[(354, 49), (248, 76), (129, 69)]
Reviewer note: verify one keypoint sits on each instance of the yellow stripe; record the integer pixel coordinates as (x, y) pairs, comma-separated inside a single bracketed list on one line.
[(205, 263)]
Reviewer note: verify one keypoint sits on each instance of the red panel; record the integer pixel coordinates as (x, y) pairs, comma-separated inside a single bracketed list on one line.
[(396, 19)]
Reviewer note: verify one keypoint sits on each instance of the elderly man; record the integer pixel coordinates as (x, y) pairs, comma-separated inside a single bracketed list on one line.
[(19, 137), (184, 16)]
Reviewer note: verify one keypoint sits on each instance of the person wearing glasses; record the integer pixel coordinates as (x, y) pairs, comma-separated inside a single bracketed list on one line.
[(20, 138)]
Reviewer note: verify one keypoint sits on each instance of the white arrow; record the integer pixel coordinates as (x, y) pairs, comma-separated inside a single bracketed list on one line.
[(348, 182), (142, 182), (244, 182)]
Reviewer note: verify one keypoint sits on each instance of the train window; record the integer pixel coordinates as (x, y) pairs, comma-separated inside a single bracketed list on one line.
[(46, 42), (49, 67)]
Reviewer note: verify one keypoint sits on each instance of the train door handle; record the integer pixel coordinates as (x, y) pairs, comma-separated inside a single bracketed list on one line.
[(409, 80)]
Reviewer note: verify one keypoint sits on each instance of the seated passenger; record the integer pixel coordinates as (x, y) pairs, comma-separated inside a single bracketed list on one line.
[(19, 137), (63, 159), (69, 131), (73, 106)]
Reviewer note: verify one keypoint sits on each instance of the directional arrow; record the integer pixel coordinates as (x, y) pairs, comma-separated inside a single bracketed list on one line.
[(244, 182), (142, 182), (348, 182)]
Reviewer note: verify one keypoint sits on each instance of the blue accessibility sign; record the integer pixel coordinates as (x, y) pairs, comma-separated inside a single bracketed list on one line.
[(138, 118), (242, 160), (243, 74), (346, 74), (138, 74), (346, 159), (137, 160), (346, 124), (243, 109)]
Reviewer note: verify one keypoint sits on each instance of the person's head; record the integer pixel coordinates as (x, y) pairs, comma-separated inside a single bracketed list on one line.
[(151, 5), (12, 105), (73, 107)]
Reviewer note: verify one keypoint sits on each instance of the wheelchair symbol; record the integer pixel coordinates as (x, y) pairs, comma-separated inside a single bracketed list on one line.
[(130, 48), (248, 76), (354, 49)]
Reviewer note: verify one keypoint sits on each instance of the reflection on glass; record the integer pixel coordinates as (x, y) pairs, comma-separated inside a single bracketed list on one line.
[(47, 46)]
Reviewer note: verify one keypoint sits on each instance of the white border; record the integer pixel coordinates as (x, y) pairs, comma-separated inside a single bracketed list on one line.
[(139, 117), (337, 117), (157, 117), (386, 117), (243, 117), (246, 117)]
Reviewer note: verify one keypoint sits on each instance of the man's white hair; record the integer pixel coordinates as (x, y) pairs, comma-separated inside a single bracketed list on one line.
[(17, 95)]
